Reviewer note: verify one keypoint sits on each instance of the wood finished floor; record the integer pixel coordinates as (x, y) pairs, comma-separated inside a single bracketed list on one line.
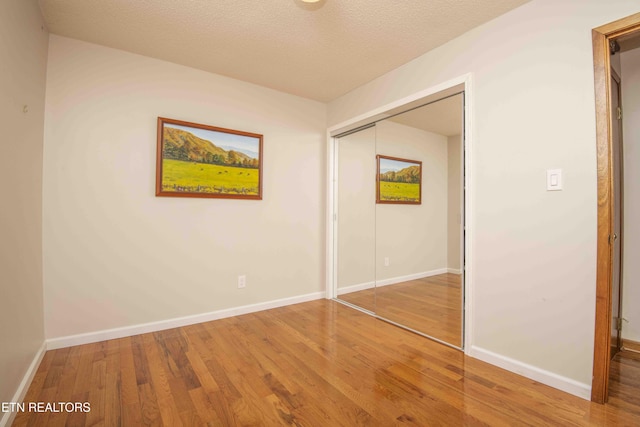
[(314, 364), (431, 305)]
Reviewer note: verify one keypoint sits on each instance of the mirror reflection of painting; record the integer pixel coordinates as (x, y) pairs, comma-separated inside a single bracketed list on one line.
[(399, 180), (204, 161)]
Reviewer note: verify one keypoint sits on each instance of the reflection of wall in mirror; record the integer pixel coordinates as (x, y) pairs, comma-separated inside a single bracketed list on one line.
[(356, 214), (454, 215), (413, 237)]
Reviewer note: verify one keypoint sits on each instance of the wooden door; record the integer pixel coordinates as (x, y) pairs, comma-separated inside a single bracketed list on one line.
[(616, 280)]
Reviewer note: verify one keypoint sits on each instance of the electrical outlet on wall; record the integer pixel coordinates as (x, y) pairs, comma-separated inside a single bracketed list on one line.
[(386, 261), (242, 281)]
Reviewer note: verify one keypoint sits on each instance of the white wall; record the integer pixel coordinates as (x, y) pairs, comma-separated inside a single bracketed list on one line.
[(631, 143), (454, 202), (534, 265), (23, 62), (114, 254), (413, 237)]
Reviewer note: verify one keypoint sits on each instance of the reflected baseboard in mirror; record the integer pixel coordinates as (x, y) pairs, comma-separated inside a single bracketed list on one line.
[(430, 305)]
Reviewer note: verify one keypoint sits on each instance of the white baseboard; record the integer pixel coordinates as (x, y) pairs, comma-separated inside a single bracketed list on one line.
[(532, 372), (400, 279), (390, 281), (454, 271), (356, 288), (127, 331), (8, 417), (631, 345)]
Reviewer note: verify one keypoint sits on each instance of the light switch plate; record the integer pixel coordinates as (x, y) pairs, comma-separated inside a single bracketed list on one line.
[(554, 179)]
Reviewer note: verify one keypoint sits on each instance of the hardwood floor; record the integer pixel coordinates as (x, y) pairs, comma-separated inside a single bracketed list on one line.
[(314, 364), (624, 382), (431, 305)]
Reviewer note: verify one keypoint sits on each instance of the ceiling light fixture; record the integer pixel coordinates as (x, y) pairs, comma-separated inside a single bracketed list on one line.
[(310, 4)]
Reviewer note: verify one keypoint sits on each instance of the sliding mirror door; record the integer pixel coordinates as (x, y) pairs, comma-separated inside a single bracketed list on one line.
[(356, 222), (419, 212), (399, 226)]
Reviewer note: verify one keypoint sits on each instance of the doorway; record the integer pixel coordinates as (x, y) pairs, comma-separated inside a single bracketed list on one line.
[(611, 274)]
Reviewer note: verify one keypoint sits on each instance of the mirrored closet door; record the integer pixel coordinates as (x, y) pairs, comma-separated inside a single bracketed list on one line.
[(356, 218), (400, 210)]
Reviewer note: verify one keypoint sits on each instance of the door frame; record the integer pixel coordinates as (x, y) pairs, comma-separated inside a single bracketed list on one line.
[(603, 316), (432, 93)]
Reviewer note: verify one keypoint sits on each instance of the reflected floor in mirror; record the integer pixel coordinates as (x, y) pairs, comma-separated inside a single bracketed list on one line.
[(318, 363), (431, 305)]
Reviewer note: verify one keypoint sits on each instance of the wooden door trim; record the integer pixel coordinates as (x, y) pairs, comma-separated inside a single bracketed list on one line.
[(602, 78)]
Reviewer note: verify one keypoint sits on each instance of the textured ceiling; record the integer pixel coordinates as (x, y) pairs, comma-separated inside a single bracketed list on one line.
[(315, 51)]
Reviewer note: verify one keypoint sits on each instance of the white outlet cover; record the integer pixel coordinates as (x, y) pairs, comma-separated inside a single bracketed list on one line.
[(554, 179)]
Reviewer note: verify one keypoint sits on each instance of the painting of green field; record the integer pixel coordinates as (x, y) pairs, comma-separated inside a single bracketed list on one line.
[(399, 192), (185, 176), (399, 180)]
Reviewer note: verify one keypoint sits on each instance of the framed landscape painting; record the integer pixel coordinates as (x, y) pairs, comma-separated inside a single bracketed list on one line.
[(399, 181), (195, 160)]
